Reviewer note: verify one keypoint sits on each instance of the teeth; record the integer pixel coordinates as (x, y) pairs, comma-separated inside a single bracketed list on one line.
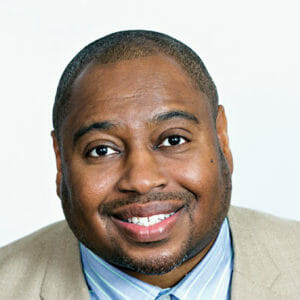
[(149, 221)]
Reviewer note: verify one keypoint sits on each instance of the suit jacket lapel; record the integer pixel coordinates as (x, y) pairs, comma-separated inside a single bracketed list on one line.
[(64, 277), (254, 271)]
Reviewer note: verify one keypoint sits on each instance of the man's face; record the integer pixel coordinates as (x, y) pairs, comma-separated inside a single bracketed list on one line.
[(141, 171)]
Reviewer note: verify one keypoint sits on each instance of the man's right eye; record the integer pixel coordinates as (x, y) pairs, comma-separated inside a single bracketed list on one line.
[(101, 150)]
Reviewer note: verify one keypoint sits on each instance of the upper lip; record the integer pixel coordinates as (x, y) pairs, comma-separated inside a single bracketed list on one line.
[(147, 209)]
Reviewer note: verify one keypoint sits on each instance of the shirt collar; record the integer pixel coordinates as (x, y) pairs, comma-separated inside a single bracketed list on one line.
[(209, 279)]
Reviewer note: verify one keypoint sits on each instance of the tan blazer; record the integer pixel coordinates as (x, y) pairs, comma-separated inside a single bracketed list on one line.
[(46, 264)]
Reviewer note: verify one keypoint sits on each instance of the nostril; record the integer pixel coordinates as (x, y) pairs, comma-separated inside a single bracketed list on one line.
[(141, 183), (142, 173)]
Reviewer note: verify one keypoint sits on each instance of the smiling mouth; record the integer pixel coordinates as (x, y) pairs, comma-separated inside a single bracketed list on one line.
[(156, 218), (149, 221)]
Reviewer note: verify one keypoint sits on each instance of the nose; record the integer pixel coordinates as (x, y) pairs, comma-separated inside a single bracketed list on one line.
[(142, 173)]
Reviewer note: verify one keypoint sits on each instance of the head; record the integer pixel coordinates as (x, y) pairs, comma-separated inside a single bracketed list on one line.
[(127, 45), (143, 161)]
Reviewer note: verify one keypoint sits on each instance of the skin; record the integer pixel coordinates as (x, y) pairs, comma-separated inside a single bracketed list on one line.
[(143, 166)]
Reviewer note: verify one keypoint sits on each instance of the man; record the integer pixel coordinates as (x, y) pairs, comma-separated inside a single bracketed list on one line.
[(144, 175)]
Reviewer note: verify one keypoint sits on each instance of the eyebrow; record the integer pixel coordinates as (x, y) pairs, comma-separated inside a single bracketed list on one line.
[(175, 114), (106, 125)]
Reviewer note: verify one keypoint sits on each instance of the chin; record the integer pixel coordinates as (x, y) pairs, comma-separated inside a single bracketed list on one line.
[(156, 265)]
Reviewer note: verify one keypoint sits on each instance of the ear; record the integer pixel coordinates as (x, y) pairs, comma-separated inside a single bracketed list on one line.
[(221, 126), (58, 162)]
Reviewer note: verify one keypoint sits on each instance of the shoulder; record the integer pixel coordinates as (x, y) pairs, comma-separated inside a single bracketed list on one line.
[(262, 223), (266, 251), (22, 263), (270, 231), (34, 243)]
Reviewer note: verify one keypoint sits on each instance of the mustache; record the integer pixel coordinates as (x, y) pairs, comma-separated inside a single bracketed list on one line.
[(107, 207)]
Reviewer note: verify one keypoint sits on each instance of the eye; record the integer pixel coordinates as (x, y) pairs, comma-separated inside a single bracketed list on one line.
[(173, 140), (101, 150)]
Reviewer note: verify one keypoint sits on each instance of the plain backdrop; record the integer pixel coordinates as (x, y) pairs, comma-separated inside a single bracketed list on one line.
[(251, 49)]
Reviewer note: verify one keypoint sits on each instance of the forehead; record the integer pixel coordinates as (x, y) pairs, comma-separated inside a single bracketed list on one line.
[(133, 91)]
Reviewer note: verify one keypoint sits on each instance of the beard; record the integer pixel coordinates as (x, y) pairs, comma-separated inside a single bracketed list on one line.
[(160, 263)]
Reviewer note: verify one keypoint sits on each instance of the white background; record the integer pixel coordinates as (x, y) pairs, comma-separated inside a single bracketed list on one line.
[(251, 48)]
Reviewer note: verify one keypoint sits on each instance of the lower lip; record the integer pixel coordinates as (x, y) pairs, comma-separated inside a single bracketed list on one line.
[(146, 234)]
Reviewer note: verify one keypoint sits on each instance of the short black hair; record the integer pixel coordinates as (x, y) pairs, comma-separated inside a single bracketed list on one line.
[(126, 45)]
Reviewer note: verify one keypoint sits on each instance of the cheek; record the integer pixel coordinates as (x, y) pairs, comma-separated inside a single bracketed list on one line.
[(89, 186), (199, 174)]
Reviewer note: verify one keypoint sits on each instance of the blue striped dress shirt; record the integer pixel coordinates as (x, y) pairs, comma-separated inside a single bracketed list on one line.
[(210, 279)]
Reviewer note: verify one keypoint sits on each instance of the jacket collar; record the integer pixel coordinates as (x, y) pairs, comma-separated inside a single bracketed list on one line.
[(64, 278), (254, 271)]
